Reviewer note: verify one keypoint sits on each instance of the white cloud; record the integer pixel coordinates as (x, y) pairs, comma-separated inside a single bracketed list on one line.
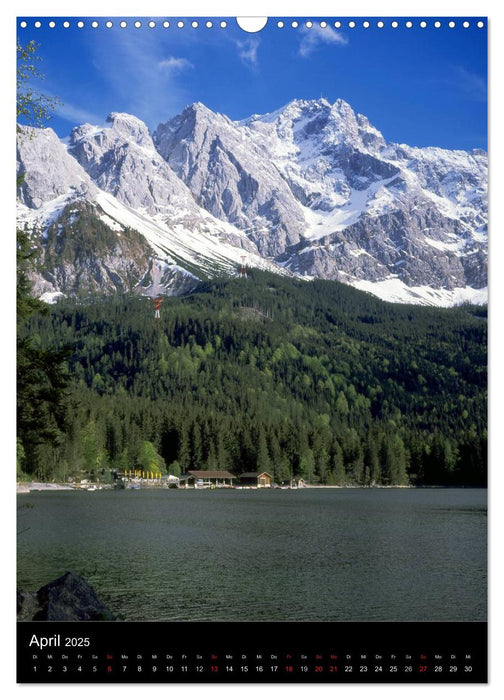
[(76, 115), (474, 86), (173, 64), (143, 78), (316, 35), (247, 51)]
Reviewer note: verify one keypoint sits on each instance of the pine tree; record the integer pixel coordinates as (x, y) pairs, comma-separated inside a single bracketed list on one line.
[(371, 460), (263, 462), (337, 475)]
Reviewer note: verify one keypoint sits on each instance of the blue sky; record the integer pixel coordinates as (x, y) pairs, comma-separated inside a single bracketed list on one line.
[(420, 86)]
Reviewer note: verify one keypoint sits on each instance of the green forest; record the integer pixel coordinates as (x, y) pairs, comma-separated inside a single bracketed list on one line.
[(307, 379)]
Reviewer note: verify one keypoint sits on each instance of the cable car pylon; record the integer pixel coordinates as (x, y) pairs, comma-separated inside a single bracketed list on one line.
[(157, 306)]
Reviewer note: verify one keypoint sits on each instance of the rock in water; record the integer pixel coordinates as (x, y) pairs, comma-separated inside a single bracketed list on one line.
[(69, 598)]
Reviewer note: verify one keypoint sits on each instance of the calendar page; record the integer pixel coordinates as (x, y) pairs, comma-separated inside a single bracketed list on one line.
[(252, 349)]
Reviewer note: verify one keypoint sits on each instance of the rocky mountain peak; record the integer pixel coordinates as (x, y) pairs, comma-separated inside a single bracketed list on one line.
[(333, 125), (342, 107), (200, 109), (192, 123), (309, 106), (130, 127), (122, 159)]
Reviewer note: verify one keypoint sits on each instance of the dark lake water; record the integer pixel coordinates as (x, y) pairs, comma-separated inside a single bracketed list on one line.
[(314, 554)]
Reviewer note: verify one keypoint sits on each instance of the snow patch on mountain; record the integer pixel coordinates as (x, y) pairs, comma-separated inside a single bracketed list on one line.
[(204, 247), (111, 223), (40, 219), (374, 200), (394, 290), (51, 297)]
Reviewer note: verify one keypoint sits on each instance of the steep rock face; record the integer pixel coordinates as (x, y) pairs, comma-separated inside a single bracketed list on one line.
[(231, 177), (376, 249), (455, 180), (48, 170), (121, 159), (375, 211), (322, 150)]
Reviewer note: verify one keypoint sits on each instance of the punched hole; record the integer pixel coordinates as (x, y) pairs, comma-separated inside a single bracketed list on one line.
[(251, 24)]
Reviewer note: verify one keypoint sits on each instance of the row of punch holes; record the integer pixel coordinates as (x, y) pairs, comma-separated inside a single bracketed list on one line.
[(180, 24)]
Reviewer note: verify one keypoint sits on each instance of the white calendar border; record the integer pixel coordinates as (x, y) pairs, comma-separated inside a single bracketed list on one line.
[(261, 8)]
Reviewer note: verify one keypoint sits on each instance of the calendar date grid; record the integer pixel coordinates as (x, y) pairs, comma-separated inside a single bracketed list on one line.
[(251, 663)]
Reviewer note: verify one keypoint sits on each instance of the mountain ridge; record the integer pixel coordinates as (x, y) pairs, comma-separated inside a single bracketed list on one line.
[(312, 189)]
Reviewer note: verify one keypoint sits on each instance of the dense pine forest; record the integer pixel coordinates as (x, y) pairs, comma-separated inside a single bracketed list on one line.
[(307, 379)]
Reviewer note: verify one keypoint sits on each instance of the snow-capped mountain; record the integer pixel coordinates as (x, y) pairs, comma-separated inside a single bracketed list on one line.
[(312, 189), (125, 222), (230, 174)]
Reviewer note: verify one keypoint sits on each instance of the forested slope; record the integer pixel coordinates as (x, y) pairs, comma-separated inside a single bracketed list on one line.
[(313, 379)]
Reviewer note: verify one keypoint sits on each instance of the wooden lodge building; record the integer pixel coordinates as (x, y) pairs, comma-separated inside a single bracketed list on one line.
[(214, 479), (206, 479), (259, 479)]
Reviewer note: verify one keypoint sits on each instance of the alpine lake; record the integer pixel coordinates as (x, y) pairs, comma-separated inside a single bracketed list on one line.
[(240, 555)]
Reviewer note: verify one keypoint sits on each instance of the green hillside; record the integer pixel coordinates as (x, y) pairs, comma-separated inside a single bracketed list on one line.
[(314, 379)]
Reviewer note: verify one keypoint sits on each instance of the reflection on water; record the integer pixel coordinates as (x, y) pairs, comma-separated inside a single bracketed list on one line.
[(314, 554)]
